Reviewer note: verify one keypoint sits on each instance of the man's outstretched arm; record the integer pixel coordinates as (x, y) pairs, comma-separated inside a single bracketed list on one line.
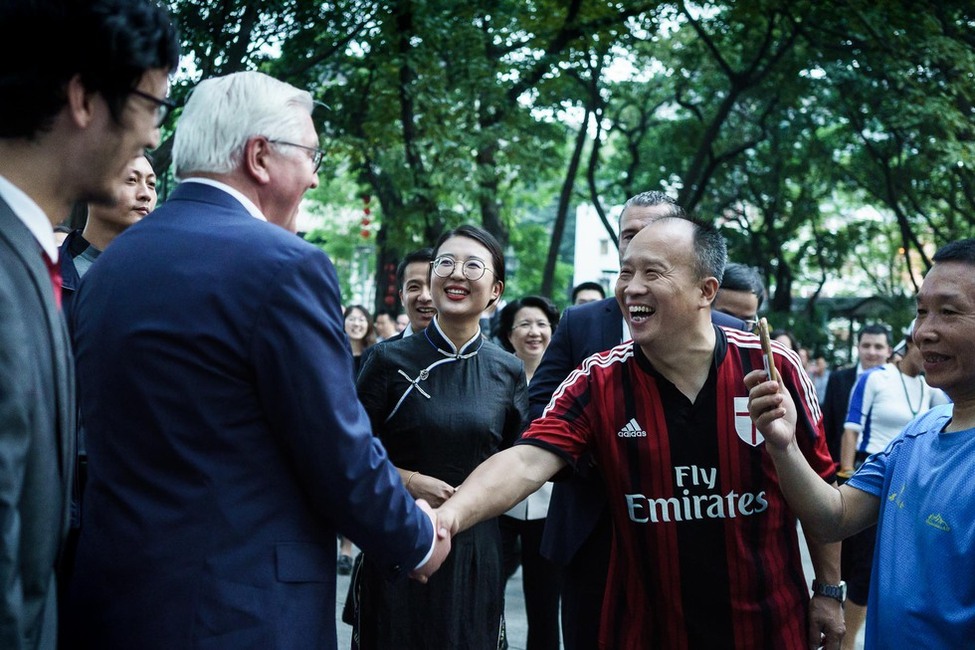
[(497, 484)]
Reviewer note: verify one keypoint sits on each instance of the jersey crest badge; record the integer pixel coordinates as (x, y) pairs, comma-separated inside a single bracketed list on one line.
[(744, 426)]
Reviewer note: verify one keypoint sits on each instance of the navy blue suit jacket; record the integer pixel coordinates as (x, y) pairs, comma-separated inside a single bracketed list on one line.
[(578, 502), (226, 445)]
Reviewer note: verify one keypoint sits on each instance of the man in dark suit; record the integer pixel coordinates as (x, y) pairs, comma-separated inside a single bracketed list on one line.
[(578, 529), (413, 280), (68, 125), (226, 446), (873, 349)]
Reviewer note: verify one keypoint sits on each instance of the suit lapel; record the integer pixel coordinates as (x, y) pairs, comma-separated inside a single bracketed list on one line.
[(28, 251)]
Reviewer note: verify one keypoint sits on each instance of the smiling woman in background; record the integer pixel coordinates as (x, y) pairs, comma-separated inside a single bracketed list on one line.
[(526, 329), (362, 335), (359, 329), (442, 401)]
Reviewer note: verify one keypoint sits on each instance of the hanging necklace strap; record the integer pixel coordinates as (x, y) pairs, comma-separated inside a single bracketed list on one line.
[(907, 395)]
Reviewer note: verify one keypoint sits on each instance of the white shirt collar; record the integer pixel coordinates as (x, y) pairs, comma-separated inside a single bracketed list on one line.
[(244, 201), (408, 330), (32, 216)]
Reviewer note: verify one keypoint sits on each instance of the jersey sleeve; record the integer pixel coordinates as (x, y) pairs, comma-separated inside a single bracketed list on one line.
[(565, 425), (809, 424)]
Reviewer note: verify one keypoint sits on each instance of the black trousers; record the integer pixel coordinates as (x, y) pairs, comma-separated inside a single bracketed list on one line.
[(583, 586), (540, 579)]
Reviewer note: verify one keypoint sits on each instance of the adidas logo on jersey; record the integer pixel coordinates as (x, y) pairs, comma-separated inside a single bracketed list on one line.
[(632, 430)]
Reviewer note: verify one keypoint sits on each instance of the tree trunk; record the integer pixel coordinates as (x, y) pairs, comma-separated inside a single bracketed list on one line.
[(561, 214)]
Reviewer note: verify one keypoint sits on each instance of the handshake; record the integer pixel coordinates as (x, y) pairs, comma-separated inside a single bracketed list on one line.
[(444, 527)]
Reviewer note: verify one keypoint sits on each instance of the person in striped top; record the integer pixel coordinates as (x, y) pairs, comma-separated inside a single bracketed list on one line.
[(705, 550)]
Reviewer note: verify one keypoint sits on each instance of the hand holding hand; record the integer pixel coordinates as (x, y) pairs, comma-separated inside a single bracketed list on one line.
[(430, 488), (441, 546), (771, 409)]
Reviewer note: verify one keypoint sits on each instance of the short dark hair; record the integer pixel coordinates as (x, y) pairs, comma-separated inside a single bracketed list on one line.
[(507, 319), (741, 277), (875, 328), (421, 255), (388, 311), (710, 249), (109, 43), (588, 286), (481, 236), (962, 250), (652, 198)]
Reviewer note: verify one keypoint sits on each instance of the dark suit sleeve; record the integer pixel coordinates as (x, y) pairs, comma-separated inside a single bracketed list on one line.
[(14, 442), (304, 375), (556, 365), (835, 404), (725, 320)]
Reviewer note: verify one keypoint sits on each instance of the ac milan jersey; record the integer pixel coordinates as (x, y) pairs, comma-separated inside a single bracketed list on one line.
[(705, 549)]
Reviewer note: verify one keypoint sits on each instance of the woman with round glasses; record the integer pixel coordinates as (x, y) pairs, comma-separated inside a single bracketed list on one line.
[(442, 401)]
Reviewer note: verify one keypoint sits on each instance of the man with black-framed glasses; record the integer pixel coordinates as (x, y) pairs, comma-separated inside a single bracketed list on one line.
[(69, 124), (741, 294), (163, 105)]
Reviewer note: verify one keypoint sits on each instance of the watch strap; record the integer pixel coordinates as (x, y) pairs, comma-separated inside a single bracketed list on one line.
[(836, 592)]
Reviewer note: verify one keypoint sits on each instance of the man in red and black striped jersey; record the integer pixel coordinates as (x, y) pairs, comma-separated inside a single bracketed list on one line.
[(705, 550)]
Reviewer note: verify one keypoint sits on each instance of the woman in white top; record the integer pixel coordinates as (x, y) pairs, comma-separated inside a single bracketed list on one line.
[(525, 328)]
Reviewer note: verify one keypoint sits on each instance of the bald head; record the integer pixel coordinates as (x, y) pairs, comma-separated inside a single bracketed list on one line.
[(666, 283)]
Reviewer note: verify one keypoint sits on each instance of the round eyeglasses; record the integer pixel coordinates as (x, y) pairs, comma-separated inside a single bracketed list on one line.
[(472, 269), (316, 153)]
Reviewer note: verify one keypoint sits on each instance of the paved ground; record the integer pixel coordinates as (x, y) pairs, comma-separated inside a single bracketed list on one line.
[(514, 608)]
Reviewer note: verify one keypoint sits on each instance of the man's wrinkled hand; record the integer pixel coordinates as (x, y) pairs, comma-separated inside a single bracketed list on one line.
[(441, 546)]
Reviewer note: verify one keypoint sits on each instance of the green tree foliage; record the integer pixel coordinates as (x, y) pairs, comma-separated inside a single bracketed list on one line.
[(777, 119)]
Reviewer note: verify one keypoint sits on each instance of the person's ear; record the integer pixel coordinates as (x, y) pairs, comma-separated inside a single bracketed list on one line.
[(80, 102), (256, 159), (709, 289), (496, 290)]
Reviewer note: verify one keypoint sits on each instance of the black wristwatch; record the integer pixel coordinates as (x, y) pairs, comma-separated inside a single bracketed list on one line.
[(836, 592)]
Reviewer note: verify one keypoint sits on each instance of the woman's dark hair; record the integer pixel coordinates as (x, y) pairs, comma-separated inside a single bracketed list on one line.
[(481, 236), (370, 337), (793, 341), (507, 320)]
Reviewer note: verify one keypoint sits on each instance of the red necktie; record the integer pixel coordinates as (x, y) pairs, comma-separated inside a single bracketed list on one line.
[(54, 270)]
